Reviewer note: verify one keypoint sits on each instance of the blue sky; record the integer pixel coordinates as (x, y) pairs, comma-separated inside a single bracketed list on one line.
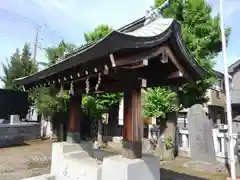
[(69, 19)]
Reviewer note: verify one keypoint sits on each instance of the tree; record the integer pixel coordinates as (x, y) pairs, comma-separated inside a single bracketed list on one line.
[(158, 102), (21, 64), (100, 32), (202, 35), (48, 101), (55, 53)]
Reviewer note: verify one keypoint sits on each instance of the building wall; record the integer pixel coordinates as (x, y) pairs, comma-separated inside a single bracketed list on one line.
[(236, 80), (235, 95), (13, 103), (216, 98), (236, 126), (12, 134)]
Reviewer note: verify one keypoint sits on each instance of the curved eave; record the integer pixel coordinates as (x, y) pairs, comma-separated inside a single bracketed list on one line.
[(172, 34), (195, 68), (115, 42)]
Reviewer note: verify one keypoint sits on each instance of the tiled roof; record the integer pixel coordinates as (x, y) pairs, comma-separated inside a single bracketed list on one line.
[(152, 29)]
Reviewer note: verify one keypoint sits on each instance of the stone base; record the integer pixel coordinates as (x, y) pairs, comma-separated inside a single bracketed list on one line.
[(72, 161), (119, 168), (78, 161), (73, 137), (42, 177), (81, 166)]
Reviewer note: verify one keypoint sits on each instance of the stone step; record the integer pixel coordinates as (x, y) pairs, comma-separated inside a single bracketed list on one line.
[(42, 177), (85, 146), (78, 155)]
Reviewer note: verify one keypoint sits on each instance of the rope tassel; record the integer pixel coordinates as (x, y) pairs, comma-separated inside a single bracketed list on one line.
[(99, 81), (71, 91)]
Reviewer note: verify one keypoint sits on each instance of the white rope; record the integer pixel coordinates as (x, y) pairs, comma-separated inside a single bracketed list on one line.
[(87, 85), (71, 91), (99, 81)]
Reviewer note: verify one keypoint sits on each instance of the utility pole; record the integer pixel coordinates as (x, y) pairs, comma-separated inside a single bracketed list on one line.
[(228, 98), (36, 44)]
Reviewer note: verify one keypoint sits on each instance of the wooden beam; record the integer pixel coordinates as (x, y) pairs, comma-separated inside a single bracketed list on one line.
[(112, 59), (177, 64), (137, 65), (175, 74), (139, 57)]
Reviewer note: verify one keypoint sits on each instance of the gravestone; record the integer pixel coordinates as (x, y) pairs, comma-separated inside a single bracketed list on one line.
[(14, 119), (200, 135), (237, 154)]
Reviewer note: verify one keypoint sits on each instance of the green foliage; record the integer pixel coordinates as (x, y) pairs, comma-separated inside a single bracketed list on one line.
[(96, 104), (90, 108), (157, 102), (168, 141), (106, 100), (45, 103), (100, 32), (202, 35), (21, 64), (62, 101)]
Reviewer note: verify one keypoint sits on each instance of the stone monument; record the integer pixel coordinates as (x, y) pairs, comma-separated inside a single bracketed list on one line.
[(200, 135), (14, 119), (237, 154)]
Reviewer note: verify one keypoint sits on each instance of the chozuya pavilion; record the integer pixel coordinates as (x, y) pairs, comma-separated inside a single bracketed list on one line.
[(145, 53)]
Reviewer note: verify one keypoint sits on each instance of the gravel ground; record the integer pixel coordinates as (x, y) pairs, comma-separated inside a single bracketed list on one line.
[(34, 158), (30, 159)]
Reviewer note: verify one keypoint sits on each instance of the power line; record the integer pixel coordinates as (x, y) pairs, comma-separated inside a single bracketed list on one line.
[(19, 18), (23, 19), (37, 26)]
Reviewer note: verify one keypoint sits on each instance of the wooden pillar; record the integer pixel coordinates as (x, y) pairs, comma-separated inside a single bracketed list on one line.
[(75, 115), (132, 128)]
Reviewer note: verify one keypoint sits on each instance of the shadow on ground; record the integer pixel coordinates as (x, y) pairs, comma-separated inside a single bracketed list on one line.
[(14, 145), (171, 175)]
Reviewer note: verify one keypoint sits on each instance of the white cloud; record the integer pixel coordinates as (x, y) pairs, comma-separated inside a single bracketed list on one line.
[(93, 13)]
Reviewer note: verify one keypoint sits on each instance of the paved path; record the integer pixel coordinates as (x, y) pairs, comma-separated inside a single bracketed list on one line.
[(185, 169)]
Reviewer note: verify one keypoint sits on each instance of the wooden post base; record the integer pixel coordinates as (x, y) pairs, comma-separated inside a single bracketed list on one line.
[(132, 150), (75, 116), (73, 137)]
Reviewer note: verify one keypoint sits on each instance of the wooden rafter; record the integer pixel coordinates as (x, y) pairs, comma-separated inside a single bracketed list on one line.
[(172, 57)]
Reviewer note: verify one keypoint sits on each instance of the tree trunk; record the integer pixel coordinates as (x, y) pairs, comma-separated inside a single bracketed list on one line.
[(99, 134), (113, 121), (168, 128)]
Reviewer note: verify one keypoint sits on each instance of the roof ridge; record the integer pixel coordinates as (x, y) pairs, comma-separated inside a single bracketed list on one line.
[(126, 27), (235, 63)]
